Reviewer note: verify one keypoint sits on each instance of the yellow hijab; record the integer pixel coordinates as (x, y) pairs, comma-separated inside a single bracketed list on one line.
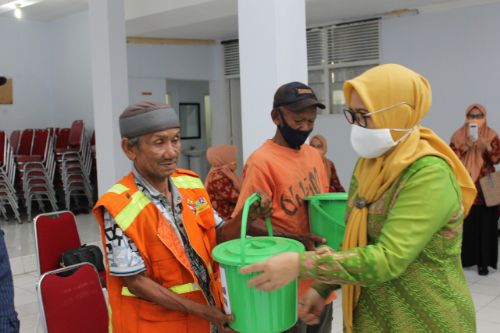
[(380, 87)]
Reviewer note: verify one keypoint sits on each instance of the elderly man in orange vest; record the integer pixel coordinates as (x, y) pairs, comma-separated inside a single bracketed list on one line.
[(159, 229)]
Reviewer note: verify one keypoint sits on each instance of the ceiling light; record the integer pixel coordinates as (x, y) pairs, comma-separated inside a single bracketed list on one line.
[(18, 14), (16, 6)]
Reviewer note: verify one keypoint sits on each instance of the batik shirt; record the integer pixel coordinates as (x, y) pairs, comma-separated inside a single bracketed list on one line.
[(410, 271), (223, 194)]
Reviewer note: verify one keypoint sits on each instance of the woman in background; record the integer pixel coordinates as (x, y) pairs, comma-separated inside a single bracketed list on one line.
[(319, 142), (479, 155), (222, 183)]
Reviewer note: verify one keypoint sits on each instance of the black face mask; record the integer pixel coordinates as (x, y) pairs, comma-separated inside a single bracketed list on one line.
[(294, 138)]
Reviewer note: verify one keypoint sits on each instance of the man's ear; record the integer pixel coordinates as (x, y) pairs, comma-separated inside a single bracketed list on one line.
[(275, 116), (129, 150)]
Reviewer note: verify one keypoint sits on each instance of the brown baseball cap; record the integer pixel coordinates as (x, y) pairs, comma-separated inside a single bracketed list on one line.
[(147, 117), (296, 96)]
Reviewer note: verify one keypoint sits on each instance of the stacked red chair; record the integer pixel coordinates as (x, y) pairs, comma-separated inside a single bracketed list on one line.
[(8, 194), (14, 140), (36, 170), (74, 165)]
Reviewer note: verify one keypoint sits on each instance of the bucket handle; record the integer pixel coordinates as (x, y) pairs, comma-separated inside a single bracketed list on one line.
[(250, 200), (316, 205)]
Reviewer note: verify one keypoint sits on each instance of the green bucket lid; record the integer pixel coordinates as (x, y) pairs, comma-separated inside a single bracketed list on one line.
[(256, 249), (328, 196), (249, 250)]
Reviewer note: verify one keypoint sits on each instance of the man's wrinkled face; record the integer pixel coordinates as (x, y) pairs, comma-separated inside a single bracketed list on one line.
[(155, 156)]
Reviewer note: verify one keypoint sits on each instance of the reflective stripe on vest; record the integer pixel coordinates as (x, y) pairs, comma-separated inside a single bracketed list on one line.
[(187, 182), (180, 289), (110, 326), (128, 214), (118, 188)]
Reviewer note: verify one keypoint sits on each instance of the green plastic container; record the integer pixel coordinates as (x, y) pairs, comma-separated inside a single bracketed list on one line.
[(326, 216), (254, 310)]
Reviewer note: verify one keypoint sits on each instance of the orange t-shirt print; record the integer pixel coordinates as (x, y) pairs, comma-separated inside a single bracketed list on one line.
[(287, 176)]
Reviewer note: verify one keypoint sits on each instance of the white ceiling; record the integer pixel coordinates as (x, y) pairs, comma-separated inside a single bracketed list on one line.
[(217, 19), (47, 10)]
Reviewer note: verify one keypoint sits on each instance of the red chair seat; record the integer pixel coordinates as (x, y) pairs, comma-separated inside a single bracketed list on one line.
[(73, 303)]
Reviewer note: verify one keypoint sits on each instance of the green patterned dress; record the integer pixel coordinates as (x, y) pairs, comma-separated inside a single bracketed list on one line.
[(410, 271)]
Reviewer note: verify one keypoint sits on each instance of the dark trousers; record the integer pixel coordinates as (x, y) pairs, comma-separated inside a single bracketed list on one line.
[(324, 326), (480, 240), (8, 316)]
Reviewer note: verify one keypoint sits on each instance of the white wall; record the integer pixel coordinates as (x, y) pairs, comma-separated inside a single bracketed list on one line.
[(337, 132), (220, 112), (50, 67), (186, 62), (70, 66), (189, 91), (50, 64), (457, 50), (139, 88), (25, 57)]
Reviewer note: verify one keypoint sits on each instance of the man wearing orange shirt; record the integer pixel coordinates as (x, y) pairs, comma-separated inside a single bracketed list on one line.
[(287, 171)]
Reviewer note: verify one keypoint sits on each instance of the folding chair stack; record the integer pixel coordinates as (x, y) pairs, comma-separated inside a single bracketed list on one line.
[(14, 140), (8, 195), (74, 163), (22, 143), (37, 170)]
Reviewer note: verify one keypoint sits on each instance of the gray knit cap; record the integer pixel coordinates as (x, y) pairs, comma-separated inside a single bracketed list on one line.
[(147, 117)]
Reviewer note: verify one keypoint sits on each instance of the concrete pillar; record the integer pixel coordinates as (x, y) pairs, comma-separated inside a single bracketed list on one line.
[(273, 51), (110, 87)]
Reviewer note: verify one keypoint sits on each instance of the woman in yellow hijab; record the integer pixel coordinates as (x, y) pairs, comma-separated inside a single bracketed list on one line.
[(399, 267)]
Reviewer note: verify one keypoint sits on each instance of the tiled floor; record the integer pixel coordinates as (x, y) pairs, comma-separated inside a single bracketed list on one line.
[(485, 289)]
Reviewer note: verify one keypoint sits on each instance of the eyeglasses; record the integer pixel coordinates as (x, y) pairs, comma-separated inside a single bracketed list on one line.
[(358, 116), (475, 116)]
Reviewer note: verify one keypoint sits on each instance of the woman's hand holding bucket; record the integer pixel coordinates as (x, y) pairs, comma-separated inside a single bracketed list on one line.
[(276, 272)]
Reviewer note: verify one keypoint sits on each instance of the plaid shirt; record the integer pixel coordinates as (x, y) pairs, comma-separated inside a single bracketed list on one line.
[(123, 256), (8, 316)]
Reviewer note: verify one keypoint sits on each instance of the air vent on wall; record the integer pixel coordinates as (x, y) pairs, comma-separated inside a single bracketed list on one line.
[(315, 46), (341, 44), (356, 41), (231, 57)]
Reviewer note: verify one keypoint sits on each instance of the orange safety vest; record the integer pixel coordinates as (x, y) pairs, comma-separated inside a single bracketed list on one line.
[(163, 254)]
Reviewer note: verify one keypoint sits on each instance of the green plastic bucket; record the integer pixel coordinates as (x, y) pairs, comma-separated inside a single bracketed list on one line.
[(254, 310), (326, 216)]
